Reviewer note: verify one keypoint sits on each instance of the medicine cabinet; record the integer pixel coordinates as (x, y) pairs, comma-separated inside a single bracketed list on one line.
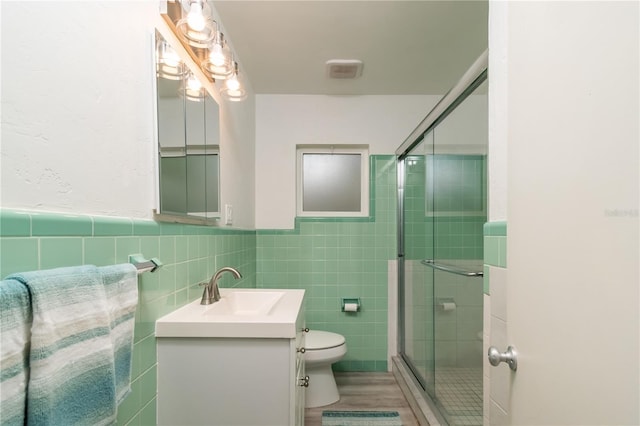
[(188, 132)]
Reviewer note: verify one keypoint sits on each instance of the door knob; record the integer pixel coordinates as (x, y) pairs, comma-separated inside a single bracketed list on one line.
[(510, 357)]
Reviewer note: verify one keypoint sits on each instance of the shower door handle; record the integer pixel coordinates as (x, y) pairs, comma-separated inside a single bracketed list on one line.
[(510, 357)]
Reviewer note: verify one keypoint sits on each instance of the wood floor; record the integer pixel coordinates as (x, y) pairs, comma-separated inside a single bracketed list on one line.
[(366, 392)]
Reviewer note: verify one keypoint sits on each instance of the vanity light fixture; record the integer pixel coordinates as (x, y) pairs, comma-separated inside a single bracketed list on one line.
[(232, 82), (218, 64), (192, 21), (197, 28), (232, 89), (169, 64), (193, 89)]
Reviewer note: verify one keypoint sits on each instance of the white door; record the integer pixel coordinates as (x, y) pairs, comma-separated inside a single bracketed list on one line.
[(572, 300)]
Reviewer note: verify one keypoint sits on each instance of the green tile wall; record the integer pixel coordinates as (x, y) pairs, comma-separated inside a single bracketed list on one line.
[(456, 183), (495, 249), (341, 258), (190, 255), (448, 226)]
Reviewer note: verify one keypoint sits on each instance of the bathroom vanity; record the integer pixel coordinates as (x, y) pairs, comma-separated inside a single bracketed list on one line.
[(235, 362)]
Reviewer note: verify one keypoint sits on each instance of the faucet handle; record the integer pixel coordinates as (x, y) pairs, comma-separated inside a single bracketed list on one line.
[(202, 284)]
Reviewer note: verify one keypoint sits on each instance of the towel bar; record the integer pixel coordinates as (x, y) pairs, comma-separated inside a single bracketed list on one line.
[(144, 265), (451, 269)]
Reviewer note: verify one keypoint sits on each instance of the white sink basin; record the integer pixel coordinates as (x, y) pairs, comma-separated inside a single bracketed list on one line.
[(254, 302), (239, 313)]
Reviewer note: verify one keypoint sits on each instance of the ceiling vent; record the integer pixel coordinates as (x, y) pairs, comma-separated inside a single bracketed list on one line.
[(344, 68)]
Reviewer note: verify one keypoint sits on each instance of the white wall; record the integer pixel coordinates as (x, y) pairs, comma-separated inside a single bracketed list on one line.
[(284, 121), (77, 112), (464, 131), (237, 172)]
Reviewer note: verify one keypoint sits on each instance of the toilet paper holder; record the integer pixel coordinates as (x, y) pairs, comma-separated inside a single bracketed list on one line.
[(446, 304), (351, 304)]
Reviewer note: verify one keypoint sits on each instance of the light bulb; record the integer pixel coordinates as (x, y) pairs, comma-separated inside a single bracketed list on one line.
[(232, 83), (172, 62), (195, 18), (171, 58), (234, 95), (193, 83), (216, 55), (167, 55)]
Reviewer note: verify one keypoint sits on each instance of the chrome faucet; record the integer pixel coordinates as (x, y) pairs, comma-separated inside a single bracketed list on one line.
[(211, 293)]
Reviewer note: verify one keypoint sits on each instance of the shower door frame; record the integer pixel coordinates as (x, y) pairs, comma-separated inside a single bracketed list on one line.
[(471, 80)]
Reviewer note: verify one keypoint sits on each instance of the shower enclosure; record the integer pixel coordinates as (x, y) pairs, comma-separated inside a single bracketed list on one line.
[(442, 198)]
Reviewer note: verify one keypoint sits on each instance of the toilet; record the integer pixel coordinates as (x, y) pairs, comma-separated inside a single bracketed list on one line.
[(322, 348)]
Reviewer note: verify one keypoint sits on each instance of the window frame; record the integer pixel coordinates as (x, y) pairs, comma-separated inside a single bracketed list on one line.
[(362, 150)]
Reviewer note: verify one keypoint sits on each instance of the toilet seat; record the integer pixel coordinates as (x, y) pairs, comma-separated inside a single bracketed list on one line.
[(318, 340), (323, 347)]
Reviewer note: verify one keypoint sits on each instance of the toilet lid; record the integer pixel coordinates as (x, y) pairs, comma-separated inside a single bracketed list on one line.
[(316, 339)]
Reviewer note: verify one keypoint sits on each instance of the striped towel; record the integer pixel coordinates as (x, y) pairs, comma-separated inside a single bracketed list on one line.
[(71, 359), (15, 323), (121, 288)]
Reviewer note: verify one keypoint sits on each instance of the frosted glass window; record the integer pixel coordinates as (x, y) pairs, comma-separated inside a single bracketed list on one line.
[(332, 183)]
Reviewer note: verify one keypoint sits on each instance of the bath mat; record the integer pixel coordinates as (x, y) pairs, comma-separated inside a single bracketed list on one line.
[(361, 418)]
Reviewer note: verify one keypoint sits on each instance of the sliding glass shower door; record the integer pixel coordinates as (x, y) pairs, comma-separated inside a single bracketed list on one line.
[(443, 200), (418, 338)]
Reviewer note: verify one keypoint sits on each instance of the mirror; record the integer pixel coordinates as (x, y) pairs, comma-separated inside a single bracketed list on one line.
[(188, 140)]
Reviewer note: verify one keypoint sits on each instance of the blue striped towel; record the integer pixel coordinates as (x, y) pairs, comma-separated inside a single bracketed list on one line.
[(121, 288), (72, 363), (15, 324)]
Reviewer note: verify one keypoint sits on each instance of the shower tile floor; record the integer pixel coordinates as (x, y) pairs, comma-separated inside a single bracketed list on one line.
[(459, 391)]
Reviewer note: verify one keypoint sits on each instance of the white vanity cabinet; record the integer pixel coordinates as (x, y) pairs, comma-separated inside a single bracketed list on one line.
[(245, 380)]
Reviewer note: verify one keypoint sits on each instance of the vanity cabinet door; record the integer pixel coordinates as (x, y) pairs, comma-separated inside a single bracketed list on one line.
[(225, 381)]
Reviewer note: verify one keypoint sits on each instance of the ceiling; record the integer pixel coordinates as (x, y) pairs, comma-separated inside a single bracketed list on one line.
[(408, 47)]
